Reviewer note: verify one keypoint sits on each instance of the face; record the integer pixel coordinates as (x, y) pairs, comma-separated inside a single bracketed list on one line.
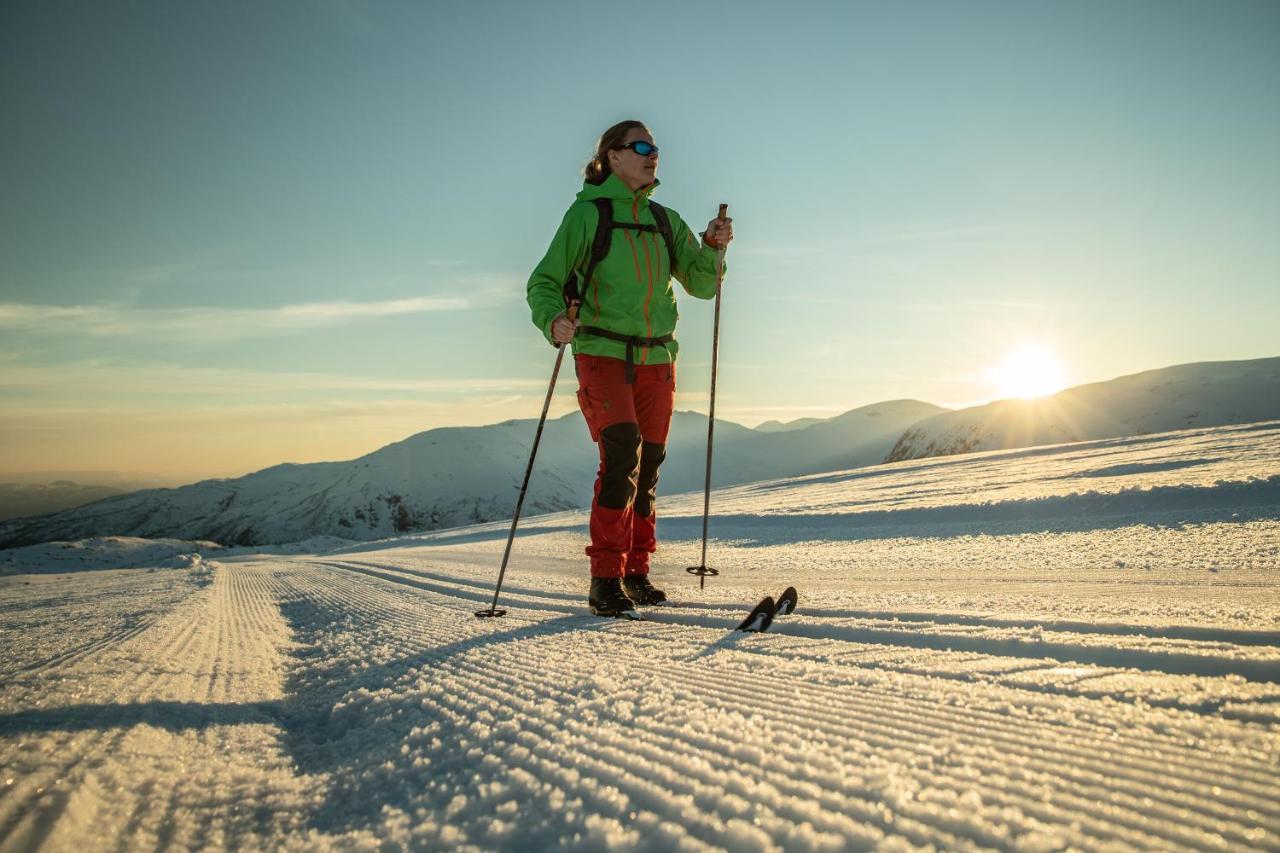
[(631, 168)]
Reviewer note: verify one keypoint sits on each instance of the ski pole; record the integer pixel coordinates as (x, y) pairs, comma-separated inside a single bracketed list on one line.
[(493, 611), (701, 569)]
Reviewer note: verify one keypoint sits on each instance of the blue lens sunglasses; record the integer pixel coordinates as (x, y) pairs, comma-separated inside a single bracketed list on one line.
[(644, 149)]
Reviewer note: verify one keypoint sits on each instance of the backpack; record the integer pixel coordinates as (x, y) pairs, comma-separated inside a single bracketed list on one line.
[(604, 238), (599, 248)]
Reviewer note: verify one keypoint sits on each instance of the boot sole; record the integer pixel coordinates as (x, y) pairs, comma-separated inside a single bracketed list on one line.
[(600, 611), (646, 603)]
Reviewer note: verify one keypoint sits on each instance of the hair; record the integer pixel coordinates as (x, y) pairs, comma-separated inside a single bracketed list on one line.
[(598, 168)]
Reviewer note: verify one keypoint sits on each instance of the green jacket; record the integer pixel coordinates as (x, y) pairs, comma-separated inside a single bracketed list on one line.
[(630, 292)]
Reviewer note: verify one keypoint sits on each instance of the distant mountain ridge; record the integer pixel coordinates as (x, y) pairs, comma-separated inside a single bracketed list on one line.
[(1187, 395), (19, 499), (787, 426), (460, 475)]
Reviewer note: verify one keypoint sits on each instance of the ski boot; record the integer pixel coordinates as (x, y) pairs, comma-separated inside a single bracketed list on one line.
[(607, 598), (639, 590)]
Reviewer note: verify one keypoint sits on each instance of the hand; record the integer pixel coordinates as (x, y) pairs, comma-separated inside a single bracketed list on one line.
[(563, 329), (719, 233)]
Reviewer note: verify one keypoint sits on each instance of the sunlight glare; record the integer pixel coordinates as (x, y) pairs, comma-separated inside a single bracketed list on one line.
[(1027, 372)]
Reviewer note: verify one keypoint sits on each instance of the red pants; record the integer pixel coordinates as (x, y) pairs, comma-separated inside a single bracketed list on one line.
[(629, 424)]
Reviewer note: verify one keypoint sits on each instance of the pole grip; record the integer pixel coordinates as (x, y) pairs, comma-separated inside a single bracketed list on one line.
[(572, 314)]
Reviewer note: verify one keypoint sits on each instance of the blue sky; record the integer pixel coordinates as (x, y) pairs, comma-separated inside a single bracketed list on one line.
[(234, 234)]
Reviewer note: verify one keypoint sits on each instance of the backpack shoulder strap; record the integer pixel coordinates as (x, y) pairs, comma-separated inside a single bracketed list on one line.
[(664, 227), (604, 235), (576, 287)]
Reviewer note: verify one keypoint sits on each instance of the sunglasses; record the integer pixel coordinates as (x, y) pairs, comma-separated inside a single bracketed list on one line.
[(644, 149)]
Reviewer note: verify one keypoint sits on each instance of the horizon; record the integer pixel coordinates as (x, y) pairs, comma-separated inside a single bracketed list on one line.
[(147, 479), (265, 235)]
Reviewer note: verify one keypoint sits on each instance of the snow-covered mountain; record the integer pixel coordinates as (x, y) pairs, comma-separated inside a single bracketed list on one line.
[(462, 475), (1187, 395), (787, 426)]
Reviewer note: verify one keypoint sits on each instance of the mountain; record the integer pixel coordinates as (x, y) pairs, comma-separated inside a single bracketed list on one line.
[(780, 426), (1186, 395), (31, 493), (19, 499), (460, 475)]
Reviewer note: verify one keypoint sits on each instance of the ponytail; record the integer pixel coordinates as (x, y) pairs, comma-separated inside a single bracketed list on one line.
[(598, 168)]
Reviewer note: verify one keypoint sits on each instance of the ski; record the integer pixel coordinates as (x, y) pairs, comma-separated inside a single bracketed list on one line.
[(760, 617), (756, 622), (763, 614), (786, 603)]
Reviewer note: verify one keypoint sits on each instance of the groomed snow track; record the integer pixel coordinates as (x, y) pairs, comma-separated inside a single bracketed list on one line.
[(336, 701)]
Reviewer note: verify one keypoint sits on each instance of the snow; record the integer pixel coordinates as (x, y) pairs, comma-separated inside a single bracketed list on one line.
[(1056, 647)]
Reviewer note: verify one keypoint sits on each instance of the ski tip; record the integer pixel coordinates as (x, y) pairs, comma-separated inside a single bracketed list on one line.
[(787, 601), (760, 617)]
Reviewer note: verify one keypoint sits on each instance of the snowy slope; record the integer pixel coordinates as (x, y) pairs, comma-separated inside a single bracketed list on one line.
[(1072, 647), (448, 477), (1188, 395)]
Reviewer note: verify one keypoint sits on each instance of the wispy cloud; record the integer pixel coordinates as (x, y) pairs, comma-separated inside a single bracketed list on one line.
[(223, 438), (156, 416), (111, 320), (101, 377)]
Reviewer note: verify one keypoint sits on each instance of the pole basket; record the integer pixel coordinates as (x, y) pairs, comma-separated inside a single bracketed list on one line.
[(702, 573), (491, 613)]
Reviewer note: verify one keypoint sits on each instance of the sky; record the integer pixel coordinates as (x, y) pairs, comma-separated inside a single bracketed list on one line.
[(238, 234)]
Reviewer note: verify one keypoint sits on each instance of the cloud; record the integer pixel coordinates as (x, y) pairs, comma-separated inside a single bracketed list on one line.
[(101, 377), (167, 417), (108, 320)]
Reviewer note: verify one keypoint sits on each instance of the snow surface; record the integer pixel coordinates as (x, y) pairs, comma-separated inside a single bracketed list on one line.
[(1057, 647)]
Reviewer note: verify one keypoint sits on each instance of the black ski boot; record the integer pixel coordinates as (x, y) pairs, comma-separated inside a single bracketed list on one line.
[(607, 598), (642, 592)]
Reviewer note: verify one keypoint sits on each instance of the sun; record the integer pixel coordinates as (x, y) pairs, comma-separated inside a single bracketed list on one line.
[(1027, 372)]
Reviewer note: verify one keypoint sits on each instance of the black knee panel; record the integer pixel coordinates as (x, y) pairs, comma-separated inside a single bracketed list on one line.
[(651, 456), (620, 446)]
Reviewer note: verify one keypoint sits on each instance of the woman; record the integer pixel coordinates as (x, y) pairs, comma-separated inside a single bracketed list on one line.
[(623, 344)]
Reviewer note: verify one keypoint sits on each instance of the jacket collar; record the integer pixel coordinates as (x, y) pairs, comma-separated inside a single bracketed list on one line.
[(613, 187)]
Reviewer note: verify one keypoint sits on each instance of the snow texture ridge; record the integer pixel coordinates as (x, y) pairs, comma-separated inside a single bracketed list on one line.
[(1065, 647)]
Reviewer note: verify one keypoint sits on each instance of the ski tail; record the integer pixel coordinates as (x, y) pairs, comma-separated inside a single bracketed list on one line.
[(760, 617)]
